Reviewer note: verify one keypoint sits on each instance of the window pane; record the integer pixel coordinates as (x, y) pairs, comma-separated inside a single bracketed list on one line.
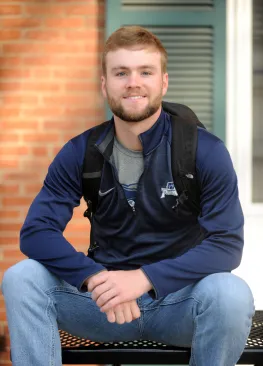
[(257, 194)]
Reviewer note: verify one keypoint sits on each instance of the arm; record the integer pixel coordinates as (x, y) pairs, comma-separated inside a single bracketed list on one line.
[(222, 221), (41, 236)]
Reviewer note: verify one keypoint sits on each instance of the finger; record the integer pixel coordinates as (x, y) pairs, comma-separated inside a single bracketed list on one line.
[(120, 319), (111, 304), (106, 297), (127, 312), (111, 316), (136, 313), (97, 280), (99, 290)]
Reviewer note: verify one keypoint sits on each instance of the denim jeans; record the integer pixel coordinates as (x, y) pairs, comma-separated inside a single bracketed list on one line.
[(212, 316)]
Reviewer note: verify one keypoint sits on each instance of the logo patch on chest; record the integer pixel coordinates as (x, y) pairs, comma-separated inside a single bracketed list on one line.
[(169, 190)]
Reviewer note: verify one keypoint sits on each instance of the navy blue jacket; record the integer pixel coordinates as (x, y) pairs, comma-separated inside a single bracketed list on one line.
[(172, 251)]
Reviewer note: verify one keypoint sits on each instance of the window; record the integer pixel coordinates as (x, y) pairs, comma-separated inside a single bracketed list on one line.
[(257, 146)]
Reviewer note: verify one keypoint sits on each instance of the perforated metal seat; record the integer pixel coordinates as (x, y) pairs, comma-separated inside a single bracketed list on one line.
[(82, 351)]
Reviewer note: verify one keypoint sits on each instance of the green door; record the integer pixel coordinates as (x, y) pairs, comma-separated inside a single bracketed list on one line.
[(194, 35)]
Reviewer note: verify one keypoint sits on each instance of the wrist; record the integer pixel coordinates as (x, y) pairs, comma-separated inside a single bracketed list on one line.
[(147, 285)]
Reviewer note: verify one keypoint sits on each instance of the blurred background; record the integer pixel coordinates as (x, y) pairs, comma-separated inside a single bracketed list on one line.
[(50, 54)]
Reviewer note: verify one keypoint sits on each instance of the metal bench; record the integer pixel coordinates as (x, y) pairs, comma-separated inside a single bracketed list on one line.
[(82, 351)]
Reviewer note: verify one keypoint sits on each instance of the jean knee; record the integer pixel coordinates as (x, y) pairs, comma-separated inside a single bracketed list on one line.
[(15, 277), (230, 295)]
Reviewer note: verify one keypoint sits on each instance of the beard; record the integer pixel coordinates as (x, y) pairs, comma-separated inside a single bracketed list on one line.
[(134, 116)]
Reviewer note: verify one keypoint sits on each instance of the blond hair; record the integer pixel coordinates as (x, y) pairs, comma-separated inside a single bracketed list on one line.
[(133, 37)]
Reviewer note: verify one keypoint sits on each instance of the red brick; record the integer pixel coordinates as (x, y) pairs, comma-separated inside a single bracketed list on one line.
[(10, 227), (73, 73), (8, 164), (62, 125), (18, 48), (17, 201), (9, 240), (41, 86), (32, 188), (65, 22), (7, 35), (44, 9), (22, 125), (12, 253), (85, 9), (9, 112), (14, 73), (18, 99), (22, 176), (10, 86), (10, 9), (9, 189), (44, 112), (67, 100), (43, 137), (9, 214), (8, 137), (21, 23), (43, 35), (40, 151), (80, 86), (41, 73), (10, 61)]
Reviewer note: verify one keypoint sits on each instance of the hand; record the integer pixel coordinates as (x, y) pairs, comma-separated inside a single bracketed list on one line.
[(124, 313), (111, 288)]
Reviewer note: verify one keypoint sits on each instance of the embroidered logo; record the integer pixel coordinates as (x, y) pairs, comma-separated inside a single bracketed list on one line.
[(169, 190)]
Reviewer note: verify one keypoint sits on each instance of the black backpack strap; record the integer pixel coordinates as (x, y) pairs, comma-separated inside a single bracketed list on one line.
[(92, 168), (183, 153), (181, 110)]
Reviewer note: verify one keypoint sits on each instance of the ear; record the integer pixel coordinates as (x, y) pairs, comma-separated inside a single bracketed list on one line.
[(103, 86), (165, 83)]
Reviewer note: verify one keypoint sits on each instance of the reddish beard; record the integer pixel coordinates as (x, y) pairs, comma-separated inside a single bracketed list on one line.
[(134, 116)]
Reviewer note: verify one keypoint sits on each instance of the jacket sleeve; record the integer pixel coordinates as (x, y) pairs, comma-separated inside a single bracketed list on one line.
[(41, 236), (221, 220)]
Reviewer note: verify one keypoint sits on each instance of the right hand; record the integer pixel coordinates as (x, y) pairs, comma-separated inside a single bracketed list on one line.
[(124, 313)]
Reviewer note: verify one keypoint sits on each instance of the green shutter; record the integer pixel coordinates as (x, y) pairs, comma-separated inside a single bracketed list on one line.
[(193, 33)]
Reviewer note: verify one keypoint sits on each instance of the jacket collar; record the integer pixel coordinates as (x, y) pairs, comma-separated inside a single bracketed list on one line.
[(150, 139)]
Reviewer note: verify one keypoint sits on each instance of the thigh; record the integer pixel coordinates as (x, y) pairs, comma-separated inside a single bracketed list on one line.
[(223, 297), (79, 315), (31, 285), (169, 320)]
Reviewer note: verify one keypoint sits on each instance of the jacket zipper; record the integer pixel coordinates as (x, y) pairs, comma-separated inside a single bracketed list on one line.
[(117, 180)]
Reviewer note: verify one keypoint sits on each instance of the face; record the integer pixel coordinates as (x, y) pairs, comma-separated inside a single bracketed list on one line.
[(134, 83)]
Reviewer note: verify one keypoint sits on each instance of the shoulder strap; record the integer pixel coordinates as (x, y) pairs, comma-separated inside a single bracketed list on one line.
[(183, 153), (92, 168)]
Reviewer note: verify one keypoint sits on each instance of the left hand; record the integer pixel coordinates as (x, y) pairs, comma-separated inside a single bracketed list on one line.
[(111, 288)]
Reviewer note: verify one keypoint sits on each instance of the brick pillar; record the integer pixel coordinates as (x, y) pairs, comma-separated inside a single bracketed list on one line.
[(49, 92)]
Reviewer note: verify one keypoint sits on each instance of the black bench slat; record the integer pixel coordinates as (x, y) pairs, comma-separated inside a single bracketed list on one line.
[(82, 351)]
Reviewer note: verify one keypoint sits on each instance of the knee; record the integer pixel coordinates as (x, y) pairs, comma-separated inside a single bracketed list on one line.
[(229, 296), (18, 275)]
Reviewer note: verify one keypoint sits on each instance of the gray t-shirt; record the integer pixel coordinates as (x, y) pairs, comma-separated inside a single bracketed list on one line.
[(129, 165)]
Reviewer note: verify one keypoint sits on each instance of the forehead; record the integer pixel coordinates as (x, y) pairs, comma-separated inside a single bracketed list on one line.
[(133, 58)]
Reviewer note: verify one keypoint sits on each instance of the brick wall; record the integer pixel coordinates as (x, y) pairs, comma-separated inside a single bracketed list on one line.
[(49, 92)]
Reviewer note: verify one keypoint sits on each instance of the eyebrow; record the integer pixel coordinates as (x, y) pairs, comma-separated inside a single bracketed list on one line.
[(151, 67)]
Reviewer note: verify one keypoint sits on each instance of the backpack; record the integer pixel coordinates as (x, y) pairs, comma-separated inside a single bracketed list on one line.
[(184, 143)]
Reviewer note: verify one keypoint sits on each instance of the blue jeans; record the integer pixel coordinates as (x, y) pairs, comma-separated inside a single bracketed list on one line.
[(213, 316)]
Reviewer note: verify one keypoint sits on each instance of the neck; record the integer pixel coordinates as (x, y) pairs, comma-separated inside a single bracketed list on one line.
[(128, 133)]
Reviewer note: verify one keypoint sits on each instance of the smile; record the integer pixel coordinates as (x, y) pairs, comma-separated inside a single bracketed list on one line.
[(135, 97)]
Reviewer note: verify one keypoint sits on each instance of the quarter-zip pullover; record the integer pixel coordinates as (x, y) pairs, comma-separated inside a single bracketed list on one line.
[(172, 251)]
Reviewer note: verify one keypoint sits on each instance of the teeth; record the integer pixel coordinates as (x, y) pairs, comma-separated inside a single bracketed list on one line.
[(137, 97)]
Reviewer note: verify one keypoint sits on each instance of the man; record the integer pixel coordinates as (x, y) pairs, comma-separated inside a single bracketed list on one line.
[(153, 274)]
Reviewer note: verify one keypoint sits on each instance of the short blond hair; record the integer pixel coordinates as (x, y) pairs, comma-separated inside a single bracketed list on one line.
[(133, 37)]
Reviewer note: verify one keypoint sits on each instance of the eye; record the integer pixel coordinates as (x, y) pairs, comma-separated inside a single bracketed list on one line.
[(146, 73), (122, 73)]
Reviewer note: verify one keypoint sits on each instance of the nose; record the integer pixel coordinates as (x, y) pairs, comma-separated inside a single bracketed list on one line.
[(133, 81)]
